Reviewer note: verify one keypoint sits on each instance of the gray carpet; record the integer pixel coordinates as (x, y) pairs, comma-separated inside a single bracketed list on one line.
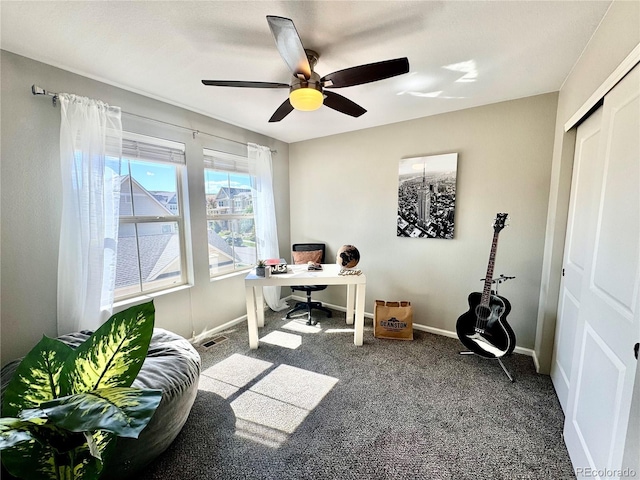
[(387, 410)]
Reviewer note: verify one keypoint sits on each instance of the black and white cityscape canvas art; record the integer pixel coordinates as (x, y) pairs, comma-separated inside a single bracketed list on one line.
[(427, 196)]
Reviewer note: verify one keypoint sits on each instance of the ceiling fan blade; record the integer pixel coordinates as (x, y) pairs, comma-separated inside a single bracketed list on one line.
[(371, 72), (283, 110), (343, 104), (289, 45), (235, 83)]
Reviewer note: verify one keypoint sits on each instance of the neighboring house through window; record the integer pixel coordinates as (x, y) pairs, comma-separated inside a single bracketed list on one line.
[(229, 204), (151, 232)]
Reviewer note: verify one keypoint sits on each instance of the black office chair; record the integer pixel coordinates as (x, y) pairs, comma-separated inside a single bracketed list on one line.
[(310, 252)]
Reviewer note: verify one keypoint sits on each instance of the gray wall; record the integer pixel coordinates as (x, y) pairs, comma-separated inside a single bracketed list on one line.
[(344, 190), (31, 203)]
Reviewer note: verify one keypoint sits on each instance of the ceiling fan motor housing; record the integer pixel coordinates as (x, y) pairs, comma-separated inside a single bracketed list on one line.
[(306, 95), (313, 82)]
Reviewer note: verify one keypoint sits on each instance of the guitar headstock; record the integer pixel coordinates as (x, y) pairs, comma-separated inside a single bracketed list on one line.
[(500, 222)]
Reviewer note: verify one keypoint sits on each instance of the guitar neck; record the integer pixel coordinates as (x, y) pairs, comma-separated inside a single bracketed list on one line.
[(486, 292)]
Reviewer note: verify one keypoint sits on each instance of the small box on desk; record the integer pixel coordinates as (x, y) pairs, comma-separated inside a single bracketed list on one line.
[(277, 265)]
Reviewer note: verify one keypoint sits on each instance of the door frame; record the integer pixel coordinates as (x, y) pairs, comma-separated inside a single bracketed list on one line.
[(621, 70)]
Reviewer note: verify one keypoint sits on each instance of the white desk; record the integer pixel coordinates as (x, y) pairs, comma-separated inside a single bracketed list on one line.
[(299, 275)]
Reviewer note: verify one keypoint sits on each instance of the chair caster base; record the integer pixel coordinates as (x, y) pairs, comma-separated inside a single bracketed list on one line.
[(308, 306)]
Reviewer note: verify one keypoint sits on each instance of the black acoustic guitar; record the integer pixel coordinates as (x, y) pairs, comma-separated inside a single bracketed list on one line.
[(483, 329)]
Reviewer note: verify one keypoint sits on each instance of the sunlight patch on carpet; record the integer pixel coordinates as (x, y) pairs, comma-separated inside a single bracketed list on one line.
[(301, 326), (269, 412), (299, 387), (270, 437), (278, 403), (223, 389), (237, 370), (340, 330), (283, 339)]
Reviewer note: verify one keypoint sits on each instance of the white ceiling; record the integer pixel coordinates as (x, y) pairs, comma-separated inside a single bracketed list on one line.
[(461, 54)]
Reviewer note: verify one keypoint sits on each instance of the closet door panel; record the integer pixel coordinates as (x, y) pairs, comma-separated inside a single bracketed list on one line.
[(615, 274), (587, 173)]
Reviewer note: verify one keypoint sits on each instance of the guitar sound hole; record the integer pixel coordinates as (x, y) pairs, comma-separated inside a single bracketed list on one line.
[(483, 312)]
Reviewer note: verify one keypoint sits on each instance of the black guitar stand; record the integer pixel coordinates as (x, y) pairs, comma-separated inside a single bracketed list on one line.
[(467, 352), (501, 279)]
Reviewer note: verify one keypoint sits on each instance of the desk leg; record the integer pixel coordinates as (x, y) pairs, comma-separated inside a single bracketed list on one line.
[(359, 328), (260, 305), (252, 321), (350, 297)]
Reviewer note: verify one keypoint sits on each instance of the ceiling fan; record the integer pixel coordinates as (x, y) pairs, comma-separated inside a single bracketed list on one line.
[(307, 90)]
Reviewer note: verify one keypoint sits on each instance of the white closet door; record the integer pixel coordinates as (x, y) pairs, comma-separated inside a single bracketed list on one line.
[(608, 325), (587, 172)]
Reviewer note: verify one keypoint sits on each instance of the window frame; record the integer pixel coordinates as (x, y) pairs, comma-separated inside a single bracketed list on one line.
[(231, 164), (177, 217)]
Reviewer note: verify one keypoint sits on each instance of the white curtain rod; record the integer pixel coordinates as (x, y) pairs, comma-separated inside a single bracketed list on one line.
[(36, 90)]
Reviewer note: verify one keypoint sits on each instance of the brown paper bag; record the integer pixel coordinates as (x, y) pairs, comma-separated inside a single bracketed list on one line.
[(393, 320)]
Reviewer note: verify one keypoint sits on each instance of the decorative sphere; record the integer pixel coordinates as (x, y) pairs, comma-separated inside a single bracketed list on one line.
[(348, 256)]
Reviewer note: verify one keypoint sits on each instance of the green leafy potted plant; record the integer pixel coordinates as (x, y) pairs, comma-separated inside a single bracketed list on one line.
[(260, 268), (63, 408)]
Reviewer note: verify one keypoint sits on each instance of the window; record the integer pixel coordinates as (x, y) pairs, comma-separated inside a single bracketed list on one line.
[(151, 232), (230, 223)]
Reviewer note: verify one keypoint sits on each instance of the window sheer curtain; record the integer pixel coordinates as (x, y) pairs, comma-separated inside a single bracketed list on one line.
[(265, 216), (90, 151)]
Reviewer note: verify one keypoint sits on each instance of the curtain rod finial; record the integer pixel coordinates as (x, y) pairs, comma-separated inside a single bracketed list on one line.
[(36, 90)]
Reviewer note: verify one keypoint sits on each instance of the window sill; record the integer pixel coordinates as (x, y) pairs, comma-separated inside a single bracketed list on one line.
[(128, 302), (230, 275)]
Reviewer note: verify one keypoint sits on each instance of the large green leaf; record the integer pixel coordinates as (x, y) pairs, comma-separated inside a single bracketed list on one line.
[(31, 449), (113, 355), (104, 444), (14, 431), (36, 379), (37, 424), (83, 462), (87, 465), (124, 411), (38, 460), (31, 460)]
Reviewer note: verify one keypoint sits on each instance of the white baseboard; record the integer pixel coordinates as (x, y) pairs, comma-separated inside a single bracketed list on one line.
[(416, 326), (526, 351), (536, 362), (220, 328), (435, 331), (225, 326), (450, 334)]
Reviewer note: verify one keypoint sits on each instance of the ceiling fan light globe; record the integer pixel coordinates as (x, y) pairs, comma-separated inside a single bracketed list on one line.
[(306, 99)]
